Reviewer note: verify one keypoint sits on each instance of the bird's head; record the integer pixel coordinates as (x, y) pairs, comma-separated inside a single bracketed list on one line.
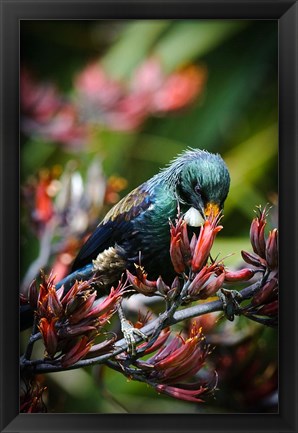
[(202, 184)]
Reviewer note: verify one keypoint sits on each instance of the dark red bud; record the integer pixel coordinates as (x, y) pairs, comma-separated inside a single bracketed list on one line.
[(33, 295), (176, 284), (257, 235), (211, 288), (49, 335), (204, 243), (193, 243), (241, 275), (266, 292), (253, 259), (54, 305), (80, 349), (161, 286), (145, 287), (198, 282), (176, 255), (269, 309), (272, 249)]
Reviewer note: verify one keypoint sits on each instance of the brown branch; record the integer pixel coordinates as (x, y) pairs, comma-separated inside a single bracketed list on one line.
[(42, 366)]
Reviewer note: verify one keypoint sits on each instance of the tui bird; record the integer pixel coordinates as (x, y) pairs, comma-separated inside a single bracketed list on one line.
[(137, 228)]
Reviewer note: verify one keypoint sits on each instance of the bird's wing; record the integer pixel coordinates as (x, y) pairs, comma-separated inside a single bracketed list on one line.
[(117, 225)]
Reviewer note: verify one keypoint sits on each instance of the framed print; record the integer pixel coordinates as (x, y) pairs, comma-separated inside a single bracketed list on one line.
[(148, 214)]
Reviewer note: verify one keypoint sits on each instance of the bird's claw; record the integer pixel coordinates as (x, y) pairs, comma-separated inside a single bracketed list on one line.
[(130, 335), (229, 299)]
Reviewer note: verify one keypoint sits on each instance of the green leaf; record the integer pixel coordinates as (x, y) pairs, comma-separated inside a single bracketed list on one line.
[(229, 249), (34, 155), (133, 45), (247, 163), (188, 40)]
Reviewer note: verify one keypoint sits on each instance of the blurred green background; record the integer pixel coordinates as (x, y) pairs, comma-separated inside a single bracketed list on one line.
[(236, 115)]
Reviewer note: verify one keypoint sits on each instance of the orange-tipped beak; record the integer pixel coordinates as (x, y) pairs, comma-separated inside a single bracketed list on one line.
[(211, 209)]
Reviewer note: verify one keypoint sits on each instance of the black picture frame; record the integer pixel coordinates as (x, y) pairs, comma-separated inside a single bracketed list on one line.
[(286, 12)]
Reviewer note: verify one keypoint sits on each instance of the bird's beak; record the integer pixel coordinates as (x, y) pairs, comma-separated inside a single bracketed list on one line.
[(211, 209)]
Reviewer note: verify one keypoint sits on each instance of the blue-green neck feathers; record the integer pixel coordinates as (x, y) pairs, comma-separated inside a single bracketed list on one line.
[(192, 171)]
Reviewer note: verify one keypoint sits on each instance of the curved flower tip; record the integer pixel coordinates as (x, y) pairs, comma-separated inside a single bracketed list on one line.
[(257, 235), (192, 253), (180, 359), (180, 250), (205, 242), (140, 282), (79, 350), (192, 395), (240, 275), (107, 307), (49, 334), (272, 249), (253, 259), (265, 253), (266, 293)]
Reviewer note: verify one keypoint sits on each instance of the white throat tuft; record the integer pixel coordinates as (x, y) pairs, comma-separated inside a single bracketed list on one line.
[(193, 217)]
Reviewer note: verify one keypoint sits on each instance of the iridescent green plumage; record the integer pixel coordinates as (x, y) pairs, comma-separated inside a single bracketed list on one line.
[(137, 228)]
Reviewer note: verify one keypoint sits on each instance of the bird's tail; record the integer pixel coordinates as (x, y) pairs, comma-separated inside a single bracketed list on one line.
[(26, 312)]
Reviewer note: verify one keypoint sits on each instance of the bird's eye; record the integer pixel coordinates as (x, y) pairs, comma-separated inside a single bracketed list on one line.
[(198, 189), (200, 192)]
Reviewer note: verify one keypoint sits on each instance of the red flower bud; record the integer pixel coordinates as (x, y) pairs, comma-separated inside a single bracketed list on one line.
[(54, 305), (266, 292), (176, 254), (140, 282), (180, 251), (241, 275), (176, 284), (198, 282), (33, 295), (109, 304), (193, 243), (161, 286), (269, 309), (253, 259), (162, 338), (204, 243), (78, 286), (81, 306), (272, 249), (175, 288), (257, 236), (79, 350), (181, 393), (211, 288), (49, 335)]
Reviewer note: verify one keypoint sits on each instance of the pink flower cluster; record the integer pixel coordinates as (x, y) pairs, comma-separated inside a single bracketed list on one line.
[(47, 115), (101, 100), (125, 106)]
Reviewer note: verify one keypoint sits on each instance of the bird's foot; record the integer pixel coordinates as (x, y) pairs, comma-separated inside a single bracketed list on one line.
[(230, 301), (132, 336)]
